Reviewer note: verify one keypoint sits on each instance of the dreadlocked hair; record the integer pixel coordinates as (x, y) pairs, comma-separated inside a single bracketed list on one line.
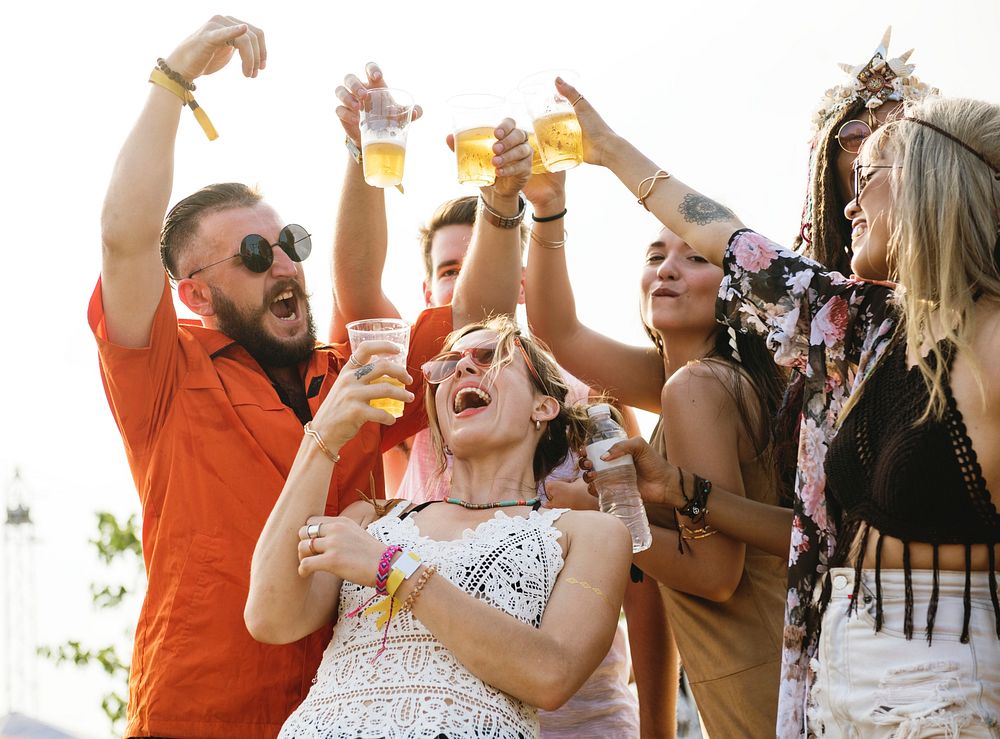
[(825, 235), (565, 432)]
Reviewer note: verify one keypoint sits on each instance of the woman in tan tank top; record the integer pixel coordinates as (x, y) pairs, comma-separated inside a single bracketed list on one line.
[(717, 394)]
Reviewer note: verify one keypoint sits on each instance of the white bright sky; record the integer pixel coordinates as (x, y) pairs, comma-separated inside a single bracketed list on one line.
[(720, 93)]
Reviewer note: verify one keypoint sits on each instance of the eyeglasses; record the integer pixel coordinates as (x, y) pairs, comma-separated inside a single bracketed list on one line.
[(257, 252), (860, 181), (444, 366), (853, 134)]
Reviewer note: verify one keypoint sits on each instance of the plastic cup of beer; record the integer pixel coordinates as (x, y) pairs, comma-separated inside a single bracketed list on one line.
[(537, 165), (557, 131), (385, 117), (475, 118), (383, 329)]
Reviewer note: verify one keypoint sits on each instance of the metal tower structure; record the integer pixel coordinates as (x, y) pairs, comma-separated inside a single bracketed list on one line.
[(20, 633)]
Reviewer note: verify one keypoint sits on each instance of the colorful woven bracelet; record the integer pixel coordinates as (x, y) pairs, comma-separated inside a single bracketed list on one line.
[(384, 567)]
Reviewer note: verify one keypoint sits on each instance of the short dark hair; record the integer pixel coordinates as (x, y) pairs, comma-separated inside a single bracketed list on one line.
[(182, 221), (456, 212)]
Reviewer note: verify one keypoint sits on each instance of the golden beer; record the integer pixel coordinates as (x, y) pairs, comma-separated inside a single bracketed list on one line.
[(383, 163), (537, 165), (560, 140), (392, 406), (474, 152)]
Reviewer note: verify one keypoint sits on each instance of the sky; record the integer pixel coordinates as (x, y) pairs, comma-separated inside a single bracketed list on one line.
[(719, 93)]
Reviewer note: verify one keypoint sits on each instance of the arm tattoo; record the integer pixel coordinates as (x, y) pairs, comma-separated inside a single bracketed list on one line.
[(701, 210)]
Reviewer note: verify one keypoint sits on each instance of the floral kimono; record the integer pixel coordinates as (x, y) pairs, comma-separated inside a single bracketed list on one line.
[(831, 330)]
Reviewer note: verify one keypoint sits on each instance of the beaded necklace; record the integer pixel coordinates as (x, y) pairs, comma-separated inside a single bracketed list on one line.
[(497, 504)]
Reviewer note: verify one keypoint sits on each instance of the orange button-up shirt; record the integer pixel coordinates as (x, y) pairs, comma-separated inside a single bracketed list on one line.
[(210, 443)]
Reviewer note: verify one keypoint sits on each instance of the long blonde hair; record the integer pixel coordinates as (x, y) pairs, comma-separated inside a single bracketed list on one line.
[(944, 239)]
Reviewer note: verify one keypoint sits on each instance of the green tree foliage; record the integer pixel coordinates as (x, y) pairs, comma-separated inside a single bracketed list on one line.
[(116, 542)]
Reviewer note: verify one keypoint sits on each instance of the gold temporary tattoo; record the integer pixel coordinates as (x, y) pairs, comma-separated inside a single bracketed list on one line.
[(587, 586)]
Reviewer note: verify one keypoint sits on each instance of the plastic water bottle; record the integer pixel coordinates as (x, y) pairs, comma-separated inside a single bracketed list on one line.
[(615, 481)]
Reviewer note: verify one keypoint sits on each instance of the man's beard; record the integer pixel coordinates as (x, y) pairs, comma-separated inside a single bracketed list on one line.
[(246, 329)]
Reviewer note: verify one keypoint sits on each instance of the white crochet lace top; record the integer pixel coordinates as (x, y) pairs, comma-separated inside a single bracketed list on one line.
[(417, 689)]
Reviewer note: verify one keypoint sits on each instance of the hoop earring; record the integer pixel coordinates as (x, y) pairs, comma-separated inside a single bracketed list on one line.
[(447, 450)]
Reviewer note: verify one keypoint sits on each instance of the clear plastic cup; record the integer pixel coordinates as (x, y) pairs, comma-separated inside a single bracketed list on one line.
[(557, 131), (385, 118), (474, 120), (383, 329)]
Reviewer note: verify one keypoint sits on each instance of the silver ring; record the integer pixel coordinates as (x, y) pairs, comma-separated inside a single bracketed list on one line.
[(312, 547), (353, 362), (312, 530), (578, 99)]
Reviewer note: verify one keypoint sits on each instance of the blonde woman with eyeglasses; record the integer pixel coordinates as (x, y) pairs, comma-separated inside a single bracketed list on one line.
[(896, 629)]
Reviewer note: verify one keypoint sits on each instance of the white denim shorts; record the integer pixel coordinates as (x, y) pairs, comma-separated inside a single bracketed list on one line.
[(879, 684)]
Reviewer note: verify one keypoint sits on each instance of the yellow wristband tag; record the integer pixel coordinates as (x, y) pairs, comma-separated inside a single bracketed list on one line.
[(396, 578), (157, 77), (381, 611)]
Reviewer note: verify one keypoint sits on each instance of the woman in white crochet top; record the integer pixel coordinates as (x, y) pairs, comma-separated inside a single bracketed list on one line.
[(493, 612)]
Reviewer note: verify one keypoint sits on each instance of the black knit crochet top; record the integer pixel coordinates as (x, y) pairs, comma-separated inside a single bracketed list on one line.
[(917, 482)]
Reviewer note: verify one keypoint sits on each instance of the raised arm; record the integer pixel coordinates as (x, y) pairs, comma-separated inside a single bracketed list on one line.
[(698, 220), (360, 236), (141, 182), (631, 374), (490, 280)]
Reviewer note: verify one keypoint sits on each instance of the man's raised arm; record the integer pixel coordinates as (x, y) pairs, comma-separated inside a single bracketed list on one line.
[(137, 197), (360, 236)]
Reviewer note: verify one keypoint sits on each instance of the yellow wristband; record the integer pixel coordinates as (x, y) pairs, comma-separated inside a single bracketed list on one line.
[(157, 77), (402, 569), (396, 578)]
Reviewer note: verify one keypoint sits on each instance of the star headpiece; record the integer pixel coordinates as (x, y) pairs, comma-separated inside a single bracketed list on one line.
[(876, 81)]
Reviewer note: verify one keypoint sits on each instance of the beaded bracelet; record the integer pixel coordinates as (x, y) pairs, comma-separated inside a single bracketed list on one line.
[(384, 567), (421, 581), (175, 76)]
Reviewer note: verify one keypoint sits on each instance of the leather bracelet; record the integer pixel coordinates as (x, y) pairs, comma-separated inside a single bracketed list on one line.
[(697, 507), (549, 219), (502, 221)]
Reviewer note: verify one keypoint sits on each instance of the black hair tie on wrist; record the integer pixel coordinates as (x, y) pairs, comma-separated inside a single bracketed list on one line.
[(548, 219)]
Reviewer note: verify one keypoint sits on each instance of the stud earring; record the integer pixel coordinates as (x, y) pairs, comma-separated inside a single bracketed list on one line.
[(538, 425)]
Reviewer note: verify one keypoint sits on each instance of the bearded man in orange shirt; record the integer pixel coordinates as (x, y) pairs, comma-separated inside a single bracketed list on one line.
[(213, 411)]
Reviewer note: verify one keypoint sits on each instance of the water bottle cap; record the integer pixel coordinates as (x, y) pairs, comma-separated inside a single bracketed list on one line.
[(599, 409)]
